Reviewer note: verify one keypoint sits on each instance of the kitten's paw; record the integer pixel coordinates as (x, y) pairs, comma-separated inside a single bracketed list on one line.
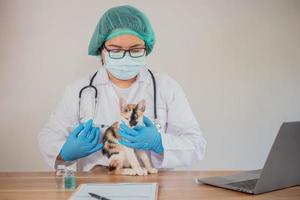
[(141, 171), (152, 171), (129, 172), (145, 171)]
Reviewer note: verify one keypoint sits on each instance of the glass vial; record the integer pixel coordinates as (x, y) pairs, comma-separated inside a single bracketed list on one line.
[(59, 176), (69, 179)]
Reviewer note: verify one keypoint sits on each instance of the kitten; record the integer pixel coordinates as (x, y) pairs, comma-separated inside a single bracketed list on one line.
[(124, 160)]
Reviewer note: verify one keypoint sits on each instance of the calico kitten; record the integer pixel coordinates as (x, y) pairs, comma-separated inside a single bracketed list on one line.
[(124, 160)]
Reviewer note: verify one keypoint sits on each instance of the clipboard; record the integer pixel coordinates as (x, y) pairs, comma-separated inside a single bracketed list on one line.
[(117, 191)]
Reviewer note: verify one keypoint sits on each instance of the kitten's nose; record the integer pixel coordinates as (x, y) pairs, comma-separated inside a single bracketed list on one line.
[(133, 123)]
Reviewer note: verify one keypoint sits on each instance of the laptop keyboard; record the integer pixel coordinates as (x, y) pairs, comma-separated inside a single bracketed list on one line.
[(248, 185)]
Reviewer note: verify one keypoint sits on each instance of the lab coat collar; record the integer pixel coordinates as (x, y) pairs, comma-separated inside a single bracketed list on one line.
[(103, 79)]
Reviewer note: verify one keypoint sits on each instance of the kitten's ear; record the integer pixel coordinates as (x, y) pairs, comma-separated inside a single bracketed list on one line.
[(122, 104), (142, 105)]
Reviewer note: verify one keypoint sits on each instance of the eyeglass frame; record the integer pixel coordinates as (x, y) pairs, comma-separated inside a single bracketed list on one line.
[(124, 53)]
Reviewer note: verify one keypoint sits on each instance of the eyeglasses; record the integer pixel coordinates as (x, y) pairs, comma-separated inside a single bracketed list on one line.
[(120, 53)]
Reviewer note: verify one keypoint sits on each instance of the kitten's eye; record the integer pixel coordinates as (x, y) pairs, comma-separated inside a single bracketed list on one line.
[(126, 110)]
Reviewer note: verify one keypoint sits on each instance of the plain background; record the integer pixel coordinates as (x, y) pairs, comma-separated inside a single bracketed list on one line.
[(238, 62)]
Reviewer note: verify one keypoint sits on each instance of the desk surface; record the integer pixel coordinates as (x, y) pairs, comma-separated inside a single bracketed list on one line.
[(172, 185)]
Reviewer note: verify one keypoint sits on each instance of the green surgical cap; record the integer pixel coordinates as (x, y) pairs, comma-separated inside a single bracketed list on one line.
[(119, 21)]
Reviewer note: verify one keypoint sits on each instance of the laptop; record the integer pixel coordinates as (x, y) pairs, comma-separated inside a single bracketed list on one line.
[(281, 169)]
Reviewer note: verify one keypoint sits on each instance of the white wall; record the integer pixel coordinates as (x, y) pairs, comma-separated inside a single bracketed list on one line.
[(238, 61)]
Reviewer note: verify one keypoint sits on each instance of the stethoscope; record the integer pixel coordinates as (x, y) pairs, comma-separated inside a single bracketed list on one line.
[(91, 86)]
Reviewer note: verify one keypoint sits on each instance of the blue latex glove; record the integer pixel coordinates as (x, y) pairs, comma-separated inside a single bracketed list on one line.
[(82, 142), (142, 137)]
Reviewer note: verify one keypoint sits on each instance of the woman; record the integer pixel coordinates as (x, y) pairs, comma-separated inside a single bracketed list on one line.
[(123, 38)]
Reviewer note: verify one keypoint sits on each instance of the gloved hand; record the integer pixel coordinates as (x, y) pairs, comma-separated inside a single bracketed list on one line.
[(82, 142), (142, 137)]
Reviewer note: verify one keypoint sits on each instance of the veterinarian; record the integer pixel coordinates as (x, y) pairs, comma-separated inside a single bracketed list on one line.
[(123, 39)]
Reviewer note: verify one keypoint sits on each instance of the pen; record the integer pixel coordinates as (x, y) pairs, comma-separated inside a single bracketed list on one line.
[(98, 196)]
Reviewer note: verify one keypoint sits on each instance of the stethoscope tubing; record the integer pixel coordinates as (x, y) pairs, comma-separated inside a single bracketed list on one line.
[(96, 96)]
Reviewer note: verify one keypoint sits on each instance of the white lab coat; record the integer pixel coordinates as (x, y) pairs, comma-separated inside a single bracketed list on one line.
[(181, 136)]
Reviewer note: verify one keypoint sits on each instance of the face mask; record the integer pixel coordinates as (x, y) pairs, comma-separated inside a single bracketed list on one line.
[(125, 68)]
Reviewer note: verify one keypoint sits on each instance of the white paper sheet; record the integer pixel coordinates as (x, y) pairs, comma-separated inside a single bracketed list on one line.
[(117, 191)]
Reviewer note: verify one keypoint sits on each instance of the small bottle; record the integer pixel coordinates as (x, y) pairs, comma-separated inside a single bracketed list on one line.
[(59, 176), (69, 179)]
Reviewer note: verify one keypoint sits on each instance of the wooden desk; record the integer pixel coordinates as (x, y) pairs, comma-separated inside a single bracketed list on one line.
[(172, 185)]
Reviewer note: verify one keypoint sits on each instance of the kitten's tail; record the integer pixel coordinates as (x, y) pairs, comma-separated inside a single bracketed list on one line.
[(111, 168), (115, 164)]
